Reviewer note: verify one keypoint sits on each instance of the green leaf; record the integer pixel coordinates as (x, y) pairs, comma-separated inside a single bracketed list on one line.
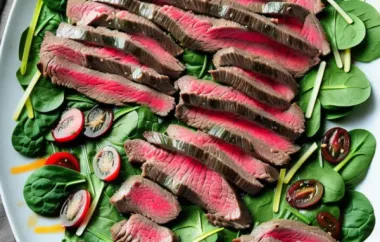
[(339, 113), (56, 5), (25, 145), (48, 187), (358, 218), (349, 35), (22, 43), (79, 101), (41, 123), (196, 64), (47, 97)]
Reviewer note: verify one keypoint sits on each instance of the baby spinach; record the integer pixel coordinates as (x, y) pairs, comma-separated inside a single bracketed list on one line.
[(349, 35), (79, 101), (197, 64), (147, 121), (358, 218), (41, 123), (358, 161), (47, 188), (56, 5), (338, 114), (47, 97), (24, 144)]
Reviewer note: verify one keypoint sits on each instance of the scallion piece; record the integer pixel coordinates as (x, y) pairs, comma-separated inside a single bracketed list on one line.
[(29, 108), (337, 57), (29, 37), (341, 11), (206, 235), (315, 92), (278, 191), (26, 95), (300, 162), (299, 215), (347, 60)]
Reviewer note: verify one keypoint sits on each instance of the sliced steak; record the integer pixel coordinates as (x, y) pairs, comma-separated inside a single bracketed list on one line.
[(210, 34), (105, 88), (258, 141), (314, 6), (255, 85), (224, 150), (147, 50), (255, 63), (142, 9), (213, 96), (142, 196), (227, 168), (188, 178), (290, 230), (95, 14), (140, 229), (107, 60)]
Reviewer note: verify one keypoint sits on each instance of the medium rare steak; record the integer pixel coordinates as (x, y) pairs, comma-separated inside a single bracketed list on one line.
[(107, 60), (286, 230), (105, 88), (213, 96), (256, 140), (84, 12), (255, 63), (210, 34), (255, 85), (314, 6), (227, 168), (224, 150), (147, 50), (140, 229), (188, 178), (145, 10), (142, 196)]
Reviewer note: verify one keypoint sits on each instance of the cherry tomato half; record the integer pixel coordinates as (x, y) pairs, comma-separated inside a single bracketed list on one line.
[(304, 193), (329, 224), (335, 145), (63, 159), (69, 127), (106, 163), (98, 122), (75, 208)]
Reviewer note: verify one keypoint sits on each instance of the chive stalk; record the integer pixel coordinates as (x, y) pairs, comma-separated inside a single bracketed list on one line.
[(26, 95), (337, 57), (299, 215), (300, 162), (315, 92), (29, 37), (29, 108), (206, 235), (341, 11), (278, 191), (347, 60)]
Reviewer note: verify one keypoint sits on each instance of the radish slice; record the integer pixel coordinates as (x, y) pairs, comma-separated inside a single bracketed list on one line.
[(107, 164), (75, 208), (69, 127)]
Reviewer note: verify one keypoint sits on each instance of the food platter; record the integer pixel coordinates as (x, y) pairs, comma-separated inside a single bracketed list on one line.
[(23, 220)]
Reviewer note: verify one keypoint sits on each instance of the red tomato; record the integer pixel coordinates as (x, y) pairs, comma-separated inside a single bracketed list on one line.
[(69, 127), (75, 208), (63, 159)]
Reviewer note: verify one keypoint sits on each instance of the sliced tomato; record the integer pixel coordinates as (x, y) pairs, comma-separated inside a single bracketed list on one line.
[(75, 208), (336, 145), (304, 193), (106, 163), (98, 122), (69, 127), (329, 224), (64, 159)]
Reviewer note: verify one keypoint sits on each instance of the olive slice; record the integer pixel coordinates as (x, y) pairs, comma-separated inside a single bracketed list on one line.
[(107, 164), (335, 145), (304, 193), (98, 122), (329, 224), (75, 208)]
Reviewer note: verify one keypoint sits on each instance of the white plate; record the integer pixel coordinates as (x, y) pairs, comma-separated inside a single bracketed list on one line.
[(11, 186)]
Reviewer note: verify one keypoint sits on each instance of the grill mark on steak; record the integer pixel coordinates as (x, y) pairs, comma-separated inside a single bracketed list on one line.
[(107, 60), (257, 141), (228, 169), (97, 14), (255, 85), (212, 96), (142, 196), (224, 150), (105, 88), (147, 50), (141, 229), (185, 177)]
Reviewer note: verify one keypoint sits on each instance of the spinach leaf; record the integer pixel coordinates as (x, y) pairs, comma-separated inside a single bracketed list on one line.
[(314, 123), (47, 188), (339, 113), (25, 145), (358, 218), (47, 97), (79, 101), (349, 35), (192, 222), (369, 49), (22, 43), (56, 5), (196, 64), (363, 147), (147, 121), (41, 123)]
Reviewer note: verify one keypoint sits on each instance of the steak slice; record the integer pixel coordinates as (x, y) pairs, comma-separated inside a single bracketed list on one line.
[(147, 50), (142, 196), (105, 88), (95, 14), (255, 63), (257, 141), (140, 229), (224, 150), (314, 6), (188, 178), (227, 168), (142, 9), (255, 85), (210, 34), (213, 96), (107, 60), (279, 229)]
